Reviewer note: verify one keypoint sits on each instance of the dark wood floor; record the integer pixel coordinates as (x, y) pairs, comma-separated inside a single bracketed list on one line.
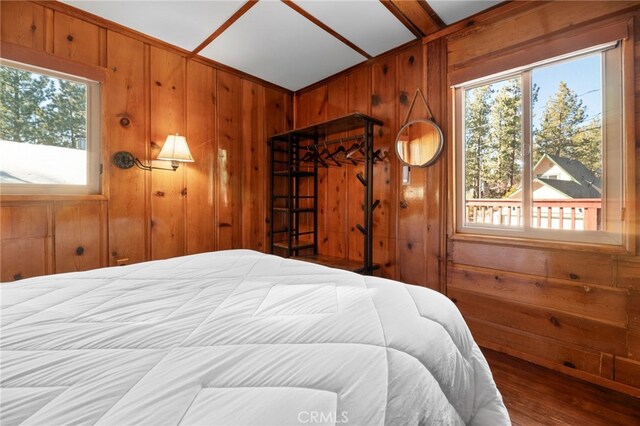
[(535, 395)]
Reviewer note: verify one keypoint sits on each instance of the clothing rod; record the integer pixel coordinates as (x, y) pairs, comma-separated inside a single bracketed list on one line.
[(332, 142)]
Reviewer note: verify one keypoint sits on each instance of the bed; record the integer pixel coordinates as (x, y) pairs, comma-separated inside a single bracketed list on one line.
[(237, 337)]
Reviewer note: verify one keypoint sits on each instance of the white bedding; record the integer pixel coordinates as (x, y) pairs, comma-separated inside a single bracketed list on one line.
[(237, 337)]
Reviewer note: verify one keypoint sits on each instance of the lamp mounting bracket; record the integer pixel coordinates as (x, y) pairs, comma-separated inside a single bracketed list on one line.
[(126, 160)]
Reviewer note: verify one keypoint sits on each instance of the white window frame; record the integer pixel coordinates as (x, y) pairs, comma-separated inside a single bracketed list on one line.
[(93, 151), (613, 194)]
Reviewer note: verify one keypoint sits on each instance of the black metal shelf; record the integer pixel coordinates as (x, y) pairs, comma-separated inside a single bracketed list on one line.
[(288, 151), (286, 196), (294, 247), (294, 210), (294, 173)]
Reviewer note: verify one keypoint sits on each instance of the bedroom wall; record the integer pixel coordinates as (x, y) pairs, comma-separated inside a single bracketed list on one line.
[(573, 311), (408, 224), (215, 203)]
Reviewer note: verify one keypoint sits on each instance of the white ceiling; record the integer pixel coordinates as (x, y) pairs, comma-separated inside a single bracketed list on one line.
[(274, 42), (451, 11), (271, 40)]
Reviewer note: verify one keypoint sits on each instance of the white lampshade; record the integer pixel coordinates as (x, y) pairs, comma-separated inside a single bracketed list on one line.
[(175, 149)]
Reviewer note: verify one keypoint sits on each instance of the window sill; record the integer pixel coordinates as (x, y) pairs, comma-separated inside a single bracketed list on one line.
[(51, 197), (539, 243)]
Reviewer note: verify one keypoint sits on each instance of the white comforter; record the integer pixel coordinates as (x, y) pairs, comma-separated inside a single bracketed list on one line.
[(237, 337)]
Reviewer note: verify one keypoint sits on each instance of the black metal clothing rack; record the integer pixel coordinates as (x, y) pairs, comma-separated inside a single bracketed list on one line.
[(293, 200)]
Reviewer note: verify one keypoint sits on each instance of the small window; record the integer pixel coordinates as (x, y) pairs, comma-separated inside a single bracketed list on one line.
[(540, 150), (49, 132)]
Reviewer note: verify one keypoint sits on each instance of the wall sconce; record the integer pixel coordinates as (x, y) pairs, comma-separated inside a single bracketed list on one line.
[(175, 149)]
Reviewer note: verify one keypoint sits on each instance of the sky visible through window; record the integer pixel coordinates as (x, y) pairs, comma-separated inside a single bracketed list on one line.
[(582, 75)]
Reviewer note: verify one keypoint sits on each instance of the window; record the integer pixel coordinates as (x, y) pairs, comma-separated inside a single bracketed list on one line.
[(540, 150), (49, 131)]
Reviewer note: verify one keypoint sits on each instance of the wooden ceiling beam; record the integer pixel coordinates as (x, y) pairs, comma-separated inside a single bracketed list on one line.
[(432, 14), (420, 14), (393, 8), (245, 7), (325, 27)]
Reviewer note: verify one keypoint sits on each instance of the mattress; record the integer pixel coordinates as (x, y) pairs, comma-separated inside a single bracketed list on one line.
[(237, 337)]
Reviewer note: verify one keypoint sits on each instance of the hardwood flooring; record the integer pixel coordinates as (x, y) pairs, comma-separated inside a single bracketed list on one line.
[(535, 395)]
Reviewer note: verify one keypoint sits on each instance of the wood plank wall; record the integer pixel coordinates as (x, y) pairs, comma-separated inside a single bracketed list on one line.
[(408, 222), (215, 203), (575, 311)]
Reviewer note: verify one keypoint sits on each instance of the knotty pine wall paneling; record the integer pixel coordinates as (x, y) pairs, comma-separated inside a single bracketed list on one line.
[(435, 197), (23, 24), (151, 90), (333, 238), (126, 129), (79, 235), (26, 240), (383, 88), (411, 215), (572, 310), (229, 164), (255, 167), (383, 107), (358, 99), (168, 189), (200, 177), (78, 40)]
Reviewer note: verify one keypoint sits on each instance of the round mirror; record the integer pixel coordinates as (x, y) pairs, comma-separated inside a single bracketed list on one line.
[(419, 142)]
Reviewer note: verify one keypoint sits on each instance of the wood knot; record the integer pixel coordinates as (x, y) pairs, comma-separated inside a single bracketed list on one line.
[(158, 83), (573, 276), (409, 246), (403, 204), (124, 121), (569, 364), (69, 37), (553, 320), (79, 250), (159, 194), (404, 98), (412, 59), (385, 69), (33, 28), (375, 100), (183, 192)]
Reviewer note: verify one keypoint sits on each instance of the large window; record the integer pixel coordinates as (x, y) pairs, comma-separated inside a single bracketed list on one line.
[(49, 131), (540, 150)]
